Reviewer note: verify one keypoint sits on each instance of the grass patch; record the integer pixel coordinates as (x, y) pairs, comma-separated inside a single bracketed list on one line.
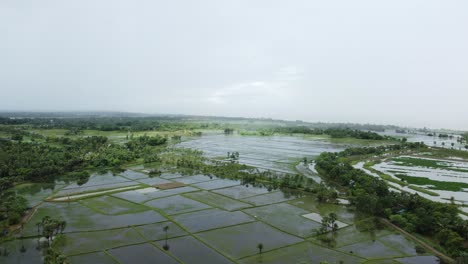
[(368, 166), (241, 240), (435, 164), (437, 185), (420, 189), (217, 200), (113, 206), (85, 242), (445, 153), (287, 218), (177, 205)]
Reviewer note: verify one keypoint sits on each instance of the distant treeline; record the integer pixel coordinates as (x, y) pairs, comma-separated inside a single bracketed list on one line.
[(140, 122), (110, 123), (371, 195), (333, 132)]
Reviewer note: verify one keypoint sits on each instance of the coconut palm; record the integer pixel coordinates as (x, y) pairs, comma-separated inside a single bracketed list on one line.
[(166, 246), (260, 248), (63, 224), (38, 224)]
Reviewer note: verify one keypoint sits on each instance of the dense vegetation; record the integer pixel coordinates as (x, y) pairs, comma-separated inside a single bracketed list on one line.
[(43, 158), (332, 132), (371, 196), (46, 159)]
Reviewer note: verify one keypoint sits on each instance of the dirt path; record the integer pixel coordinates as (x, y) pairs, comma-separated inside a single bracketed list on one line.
[(445, 258), (78, 196), (25, 219)]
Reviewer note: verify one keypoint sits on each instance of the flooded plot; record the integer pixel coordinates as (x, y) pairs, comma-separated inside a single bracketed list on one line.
[(241, 191), (217, 184), (84, 242), (35, 193), (171, 175), (195, 179), (310, 203), (302, 253), (270, 152), (99, 257), (141, 254), (32, 255), (438, 176), (372, 249), (153, 181), (113, 206), (152, 193), (241, 240), (351, 234), (95, 188), (133, 175), (190, 250), (217, 200), (98, 179), (269, 198), (211, 219), (177, 205), (287, 218), (318, 218), (419, 260), (156, 231), (81, 218), (136, 196), (399, 243)]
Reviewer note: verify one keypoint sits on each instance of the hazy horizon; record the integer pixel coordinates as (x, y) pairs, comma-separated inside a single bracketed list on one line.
[(401, 63)]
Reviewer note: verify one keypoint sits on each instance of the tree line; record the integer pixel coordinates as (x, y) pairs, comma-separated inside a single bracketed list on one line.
[(371, 195)]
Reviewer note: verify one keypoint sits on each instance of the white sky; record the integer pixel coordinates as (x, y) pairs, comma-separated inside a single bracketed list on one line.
[(402, 62)]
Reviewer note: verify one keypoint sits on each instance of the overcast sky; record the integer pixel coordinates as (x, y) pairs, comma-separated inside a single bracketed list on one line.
[(402, 62)]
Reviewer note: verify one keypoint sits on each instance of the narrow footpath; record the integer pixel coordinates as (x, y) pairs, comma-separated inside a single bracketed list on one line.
[(442, 256)]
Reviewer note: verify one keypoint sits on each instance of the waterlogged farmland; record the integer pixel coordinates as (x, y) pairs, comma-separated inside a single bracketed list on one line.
[(275, 153), (446, 178), (206, 224), (122, 217)]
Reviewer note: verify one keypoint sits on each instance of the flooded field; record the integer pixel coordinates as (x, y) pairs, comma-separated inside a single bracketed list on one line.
[(428, 140), (207, 219), (210, 218), (446, 177), (265, 152)]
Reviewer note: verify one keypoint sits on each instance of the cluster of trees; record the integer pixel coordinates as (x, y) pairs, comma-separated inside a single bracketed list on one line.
[(233, 156), (12, 207), (50, 227), (342, 133), (371, 196), (45, 160), (115, 123), (333, 132)]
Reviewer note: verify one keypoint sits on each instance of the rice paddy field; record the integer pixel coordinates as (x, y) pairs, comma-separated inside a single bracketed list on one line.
[(446, 177), (275, 153), (123, 218)]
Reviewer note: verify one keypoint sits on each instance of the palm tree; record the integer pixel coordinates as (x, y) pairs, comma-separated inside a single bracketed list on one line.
[(166, 246), (63, 224), (38, 224), (260, 248), (453, 144)]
